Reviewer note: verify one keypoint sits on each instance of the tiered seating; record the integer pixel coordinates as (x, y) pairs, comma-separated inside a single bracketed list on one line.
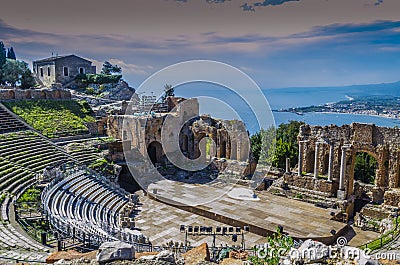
[(8, 123), (23, 155), (89, 205), (30, 151), (85, 155)]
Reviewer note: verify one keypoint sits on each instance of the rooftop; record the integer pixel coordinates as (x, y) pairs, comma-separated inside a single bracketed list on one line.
[(54, 58)]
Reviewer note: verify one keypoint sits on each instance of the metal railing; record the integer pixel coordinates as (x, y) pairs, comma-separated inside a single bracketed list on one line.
[(86, 232)]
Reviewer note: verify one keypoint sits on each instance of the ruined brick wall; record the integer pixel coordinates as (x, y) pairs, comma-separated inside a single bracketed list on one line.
[(304, 182), (348, 140), (27, 94), (230, 137)]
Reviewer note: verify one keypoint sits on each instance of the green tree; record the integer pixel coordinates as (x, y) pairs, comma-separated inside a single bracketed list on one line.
[(278, 245), (109, 69), (169, 91), (273, 146), (11, 54), (17, 72), (2, 61), (27, 79), (263, 145), (3, 55)]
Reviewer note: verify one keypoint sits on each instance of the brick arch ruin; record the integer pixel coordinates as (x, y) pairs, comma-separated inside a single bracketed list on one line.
[(230, 136), (328, 154)]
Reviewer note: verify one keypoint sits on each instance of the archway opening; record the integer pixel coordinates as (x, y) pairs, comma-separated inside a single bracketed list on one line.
[(154, 150), (185, 144), (326, 164), (223, 150), (365, 168), (310, 160)]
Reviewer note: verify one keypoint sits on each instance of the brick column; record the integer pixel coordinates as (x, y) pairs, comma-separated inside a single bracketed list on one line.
[(316, 161), (300, 159), (330, 165), (343, 167)]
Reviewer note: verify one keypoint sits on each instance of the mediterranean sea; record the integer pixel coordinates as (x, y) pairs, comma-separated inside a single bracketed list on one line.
[(221, 102)]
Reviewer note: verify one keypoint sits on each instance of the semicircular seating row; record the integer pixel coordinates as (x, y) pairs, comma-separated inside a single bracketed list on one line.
[(23, 155), (85, 206)]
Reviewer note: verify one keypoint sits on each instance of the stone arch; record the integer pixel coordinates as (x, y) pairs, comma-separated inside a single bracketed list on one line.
[(155, 152), (344, 143)]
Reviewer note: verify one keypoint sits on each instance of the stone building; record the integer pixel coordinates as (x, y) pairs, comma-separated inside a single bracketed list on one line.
[(61, 69), (327, 161)]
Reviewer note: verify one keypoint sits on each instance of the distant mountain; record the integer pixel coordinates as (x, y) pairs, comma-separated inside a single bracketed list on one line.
[(354, 91)]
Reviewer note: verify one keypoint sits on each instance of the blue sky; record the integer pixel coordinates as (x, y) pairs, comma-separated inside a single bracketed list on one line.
[(279, 43)]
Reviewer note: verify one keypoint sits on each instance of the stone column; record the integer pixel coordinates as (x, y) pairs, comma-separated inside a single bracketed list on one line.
[(287, 165), (300, 159), (343, 167), (330, 165), (316, 160)]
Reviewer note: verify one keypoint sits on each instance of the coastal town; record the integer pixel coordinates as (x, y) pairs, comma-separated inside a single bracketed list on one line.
[(384, 106)]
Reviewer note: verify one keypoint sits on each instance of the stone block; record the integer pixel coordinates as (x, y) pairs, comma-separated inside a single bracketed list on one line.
[(38, 94), (392, 197), (238, 255), (196, 255), (116, 250), (139, 255), (69, 255), (22, 93), (230, 261), (64, 94), (7, 94)]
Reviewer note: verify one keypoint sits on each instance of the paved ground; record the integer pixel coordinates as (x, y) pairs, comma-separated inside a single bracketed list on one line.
[(298, 218), (361, 237), (161, 223)]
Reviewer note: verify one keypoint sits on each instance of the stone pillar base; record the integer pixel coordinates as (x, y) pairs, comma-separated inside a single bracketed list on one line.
[(341, 195)]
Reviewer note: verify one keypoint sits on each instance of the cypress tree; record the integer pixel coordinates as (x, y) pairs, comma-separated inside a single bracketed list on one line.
[(2, 54), (2, 61), (11, 54)]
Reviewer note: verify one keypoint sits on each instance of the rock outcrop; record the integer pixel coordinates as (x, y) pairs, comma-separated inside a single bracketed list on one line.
[(197, 255), (116, 250)]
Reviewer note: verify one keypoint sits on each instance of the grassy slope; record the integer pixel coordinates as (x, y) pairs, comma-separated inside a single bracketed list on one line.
[(53, 117)]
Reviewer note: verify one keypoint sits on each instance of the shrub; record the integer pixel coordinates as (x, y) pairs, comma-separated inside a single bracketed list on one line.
[(97, 78)]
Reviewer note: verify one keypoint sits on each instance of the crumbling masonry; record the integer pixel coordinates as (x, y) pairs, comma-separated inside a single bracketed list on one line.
[(330, 152)]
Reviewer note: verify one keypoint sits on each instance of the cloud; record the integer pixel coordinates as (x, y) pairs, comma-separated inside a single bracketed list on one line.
[(127, 68), (273, 2), (247, 7)]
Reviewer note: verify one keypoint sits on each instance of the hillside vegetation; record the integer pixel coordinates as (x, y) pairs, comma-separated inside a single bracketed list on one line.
[(54, 118)]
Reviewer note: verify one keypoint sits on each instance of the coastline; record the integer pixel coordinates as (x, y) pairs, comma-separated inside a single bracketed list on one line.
[(304, 114), (334, 112)]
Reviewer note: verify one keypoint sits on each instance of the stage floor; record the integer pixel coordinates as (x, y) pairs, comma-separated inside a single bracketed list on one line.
[(299, 219), (161, 222)]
